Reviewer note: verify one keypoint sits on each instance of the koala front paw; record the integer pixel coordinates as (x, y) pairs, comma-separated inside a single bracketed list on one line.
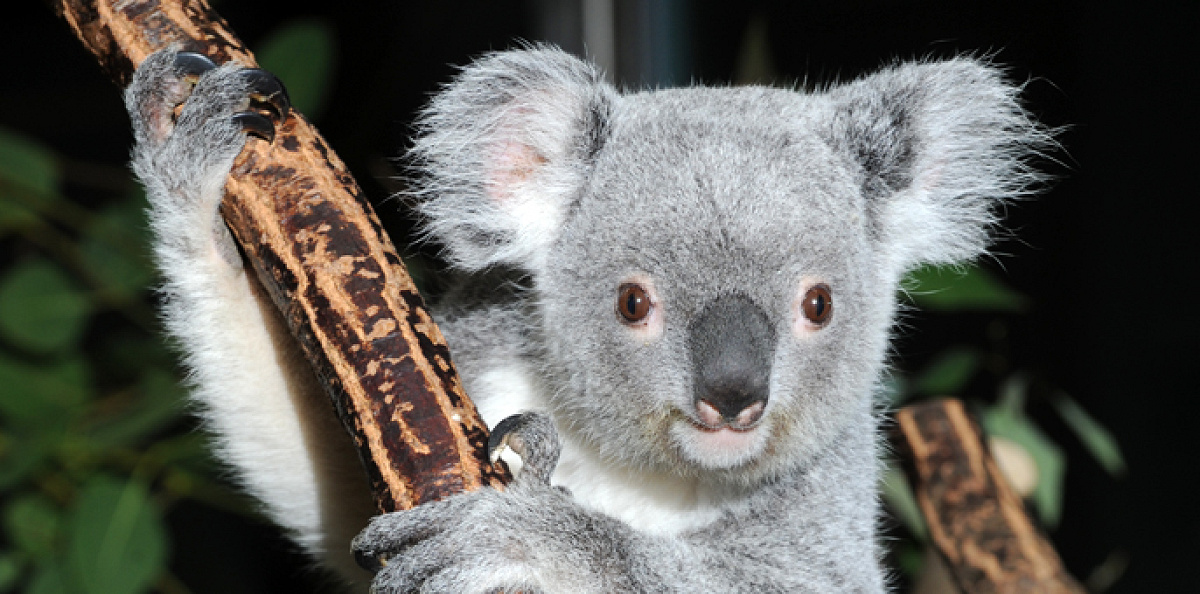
[(191, 119), (480, 541), (186, 106)]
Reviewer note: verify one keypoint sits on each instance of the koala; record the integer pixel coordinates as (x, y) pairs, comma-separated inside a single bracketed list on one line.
[(687, 295)]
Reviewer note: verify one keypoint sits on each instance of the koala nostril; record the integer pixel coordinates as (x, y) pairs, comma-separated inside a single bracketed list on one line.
[(738, 415), (749, 415), (709, 415)]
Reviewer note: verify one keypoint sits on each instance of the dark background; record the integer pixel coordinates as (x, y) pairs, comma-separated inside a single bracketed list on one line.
[(1106, 255)]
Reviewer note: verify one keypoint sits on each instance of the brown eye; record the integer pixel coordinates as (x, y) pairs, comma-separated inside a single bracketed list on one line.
[(818, 304), (633, 303)]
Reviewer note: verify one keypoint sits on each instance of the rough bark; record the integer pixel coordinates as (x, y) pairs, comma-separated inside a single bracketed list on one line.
[(976, 520), (319, 250)]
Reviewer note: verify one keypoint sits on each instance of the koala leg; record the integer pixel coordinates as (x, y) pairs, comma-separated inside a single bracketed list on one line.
[(253, 388)]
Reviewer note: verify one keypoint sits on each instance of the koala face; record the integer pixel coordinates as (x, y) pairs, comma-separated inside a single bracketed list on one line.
[(714, 269), (746, 246)]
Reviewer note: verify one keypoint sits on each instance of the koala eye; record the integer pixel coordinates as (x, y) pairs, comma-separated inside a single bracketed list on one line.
[(818, 304), (633, 303)]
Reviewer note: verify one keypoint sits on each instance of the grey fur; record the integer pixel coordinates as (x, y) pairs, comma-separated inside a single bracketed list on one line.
[(550, 190)]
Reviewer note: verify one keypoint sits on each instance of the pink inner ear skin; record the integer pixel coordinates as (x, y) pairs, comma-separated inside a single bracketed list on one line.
[(512, 166)]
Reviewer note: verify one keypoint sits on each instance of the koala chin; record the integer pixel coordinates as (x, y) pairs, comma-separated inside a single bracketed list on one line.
[(686, 294)]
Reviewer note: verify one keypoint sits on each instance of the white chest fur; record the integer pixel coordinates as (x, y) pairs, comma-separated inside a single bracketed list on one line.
[(651, 503)]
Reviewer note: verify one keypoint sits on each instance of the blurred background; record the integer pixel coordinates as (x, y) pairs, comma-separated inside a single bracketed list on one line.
[(1074, 344)]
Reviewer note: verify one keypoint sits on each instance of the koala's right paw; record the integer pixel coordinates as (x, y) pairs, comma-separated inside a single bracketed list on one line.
[(191, 117)]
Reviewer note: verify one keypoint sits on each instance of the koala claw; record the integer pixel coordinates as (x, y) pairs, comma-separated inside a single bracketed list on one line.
[(533, 437), (268, 92), (370, 562), (256, 124), (191, 65)]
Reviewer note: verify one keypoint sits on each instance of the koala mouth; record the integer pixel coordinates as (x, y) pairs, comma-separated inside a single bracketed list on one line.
[(721, 445)]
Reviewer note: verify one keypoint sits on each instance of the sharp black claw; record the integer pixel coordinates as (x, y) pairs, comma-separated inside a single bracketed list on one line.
[(533, 437), (267, 90), (257, 124), (368, 562), (192, 64)]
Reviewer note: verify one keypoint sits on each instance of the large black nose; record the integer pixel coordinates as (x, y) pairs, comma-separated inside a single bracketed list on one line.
[(731, 343)]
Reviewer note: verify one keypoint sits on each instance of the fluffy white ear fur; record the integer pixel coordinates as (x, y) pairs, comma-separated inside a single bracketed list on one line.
[(539, 116), (940, 147)]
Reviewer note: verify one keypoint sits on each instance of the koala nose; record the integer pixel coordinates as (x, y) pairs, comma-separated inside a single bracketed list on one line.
[(731, 344)]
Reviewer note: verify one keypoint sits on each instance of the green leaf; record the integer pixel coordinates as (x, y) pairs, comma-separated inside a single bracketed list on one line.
[(32, 524), (13, 215), (948, 373), (50, 579), (112, 249), (1095, 437), (28, 164), (42, 395), (116, 541), (40, 307), (159, 403), (1051, 465), (952, 289), (301, 54), (11, 565), (899, 497), (37, 404)]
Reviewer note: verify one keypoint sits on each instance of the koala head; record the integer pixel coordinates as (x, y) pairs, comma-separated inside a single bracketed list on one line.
[(715, 269)]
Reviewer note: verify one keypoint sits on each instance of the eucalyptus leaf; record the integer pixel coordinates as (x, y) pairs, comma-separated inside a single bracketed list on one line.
[(112, 248), (116, 540), (37, 395), (1098, 440), (159, 403), (50, 579), (27, 163), (40, 307), (948, 373), (18, 464), (10, 570), (13, 215), (900, 499), (956, 289), (32, 524), (1051, 464), (301, 54)]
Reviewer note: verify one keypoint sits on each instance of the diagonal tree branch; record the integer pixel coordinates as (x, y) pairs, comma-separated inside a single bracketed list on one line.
[(976, 520), (319, 250)]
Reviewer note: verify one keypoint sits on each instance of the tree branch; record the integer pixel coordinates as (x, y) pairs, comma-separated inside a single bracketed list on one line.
[(976, 520), (321, 254)]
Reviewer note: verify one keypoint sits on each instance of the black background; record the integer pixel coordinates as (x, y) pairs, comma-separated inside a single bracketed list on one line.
[(1106, 255)]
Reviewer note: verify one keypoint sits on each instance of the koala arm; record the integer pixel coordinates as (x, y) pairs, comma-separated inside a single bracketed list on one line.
[(811, 531), (249, 382)]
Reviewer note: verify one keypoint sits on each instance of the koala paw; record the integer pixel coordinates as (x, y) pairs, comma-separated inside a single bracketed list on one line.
[(484, 540), (181, 94), (191, 118), (531, 436)]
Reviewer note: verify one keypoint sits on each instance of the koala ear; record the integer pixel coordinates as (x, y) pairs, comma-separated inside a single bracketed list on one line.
[(504, 150), (938, 147)]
